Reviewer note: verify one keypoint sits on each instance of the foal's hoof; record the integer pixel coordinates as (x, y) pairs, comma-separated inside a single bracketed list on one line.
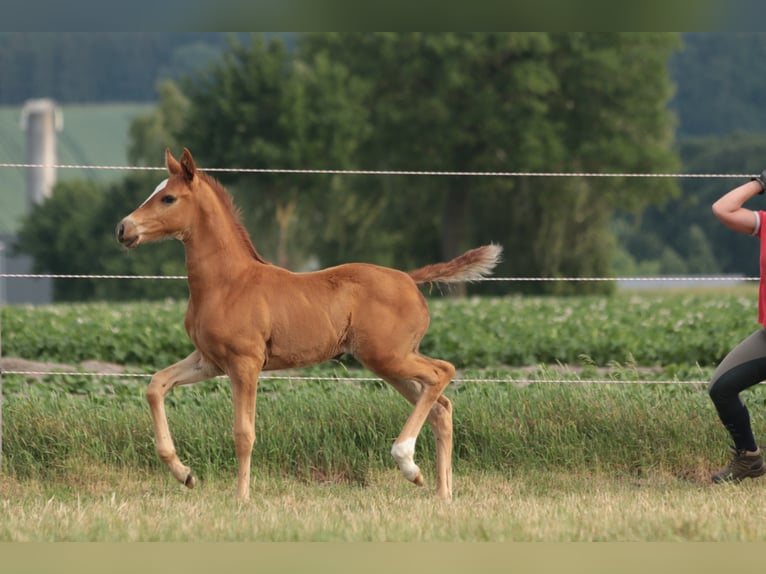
[(190, 481)]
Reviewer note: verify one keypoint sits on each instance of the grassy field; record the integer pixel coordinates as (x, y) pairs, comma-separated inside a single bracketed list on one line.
[(103, 505), (534, 461)]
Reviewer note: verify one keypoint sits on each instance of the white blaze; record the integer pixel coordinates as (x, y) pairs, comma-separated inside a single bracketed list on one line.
[(157, 189)]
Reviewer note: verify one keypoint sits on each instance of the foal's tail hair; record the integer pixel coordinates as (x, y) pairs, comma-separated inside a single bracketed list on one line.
[(469, 266)]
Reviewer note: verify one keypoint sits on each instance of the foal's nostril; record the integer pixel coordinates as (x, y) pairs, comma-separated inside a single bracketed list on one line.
[(120, 231)]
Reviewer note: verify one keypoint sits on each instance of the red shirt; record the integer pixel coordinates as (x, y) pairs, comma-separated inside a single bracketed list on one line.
[(762, 284)]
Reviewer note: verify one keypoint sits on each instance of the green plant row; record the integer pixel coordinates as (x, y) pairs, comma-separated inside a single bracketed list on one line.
[(340, 432), (653, 328)]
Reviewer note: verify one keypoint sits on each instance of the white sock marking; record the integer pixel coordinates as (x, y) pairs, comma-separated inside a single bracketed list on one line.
[(157, 189), (404, 453)]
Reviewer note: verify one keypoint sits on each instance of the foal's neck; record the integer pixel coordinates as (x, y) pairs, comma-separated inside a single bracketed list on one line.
[(217, 247)]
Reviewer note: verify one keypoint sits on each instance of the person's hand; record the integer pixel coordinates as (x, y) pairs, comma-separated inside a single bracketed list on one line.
[(762, 180)]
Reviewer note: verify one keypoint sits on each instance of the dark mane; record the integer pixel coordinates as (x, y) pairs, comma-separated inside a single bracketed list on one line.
[(228, 203)]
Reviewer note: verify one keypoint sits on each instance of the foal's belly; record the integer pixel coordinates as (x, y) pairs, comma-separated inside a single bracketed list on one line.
[(292, 359), (292, 348)]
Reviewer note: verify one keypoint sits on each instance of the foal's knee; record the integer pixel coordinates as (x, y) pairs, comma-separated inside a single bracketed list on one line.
[(440, 417)]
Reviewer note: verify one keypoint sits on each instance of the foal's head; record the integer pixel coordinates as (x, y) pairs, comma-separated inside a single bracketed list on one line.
[(185, 197), (169, 210)]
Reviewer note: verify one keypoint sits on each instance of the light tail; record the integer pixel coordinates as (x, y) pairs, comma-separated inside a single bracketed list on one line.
[(469, 266)]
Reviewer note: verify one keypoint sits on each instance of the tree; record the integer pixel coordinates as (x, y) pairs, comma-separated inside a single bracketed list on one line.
[(564, 102), (686, 224), (441, 102), (72, 232), (515, 102), (718, 91), (58, 234), (261, 107), (700, 258), (97, 66), (149, 134)]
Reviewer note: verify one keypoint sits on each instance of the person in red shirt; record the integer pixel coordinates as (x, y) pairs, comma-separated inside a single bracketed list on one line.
[(745, 365)]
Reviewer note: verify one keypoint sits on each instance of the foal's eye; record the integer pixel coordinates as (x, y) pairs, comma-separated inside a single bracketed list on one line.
[(168, 199)]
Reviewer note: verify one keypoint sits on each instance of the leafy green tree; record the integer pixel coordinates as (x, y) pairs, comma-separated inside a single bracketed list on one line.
[(58, 235), (687, 224), (515, 102), (151, 133), (718, 93), (700, 258), (261, 107), (563, 102), (444, 102), (97, 66), (72, 232), (611, 106)]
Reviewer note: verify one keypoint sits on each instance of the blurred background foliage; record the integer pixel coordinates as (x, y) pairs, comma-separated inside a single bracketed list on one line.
[(529, 102)]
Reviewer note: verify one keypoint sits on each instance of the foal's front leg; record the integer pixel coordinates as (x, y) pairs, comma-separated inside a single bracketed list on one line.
[(244, 385), (192, 369)]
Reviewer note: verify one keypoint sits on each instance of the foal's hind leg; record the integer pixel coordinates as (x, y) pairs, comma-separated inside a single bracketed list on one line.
[(432, 375), (440, 420), (192, 369)]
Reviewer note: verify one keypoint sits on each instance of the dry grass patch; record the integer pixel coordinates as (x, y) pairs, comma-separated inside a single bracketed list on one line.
[(535, 507)]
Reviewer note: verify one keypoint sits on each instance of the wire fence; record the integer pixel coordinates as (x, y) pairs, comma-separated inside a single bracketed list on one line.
[(386, 172), (508, 174), (360, 379), (660, 278), (357, 172), (458, 380)]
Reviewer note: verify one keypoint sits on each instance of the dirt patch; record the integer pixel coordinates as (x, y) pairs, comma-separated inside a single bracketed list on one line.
[(39, 368)]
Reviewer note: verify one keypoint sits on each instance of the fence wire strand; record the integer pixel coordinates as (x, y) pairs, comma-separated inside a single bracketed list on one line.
[(431, 173), (660, 278), (382, 172), (297, 378)]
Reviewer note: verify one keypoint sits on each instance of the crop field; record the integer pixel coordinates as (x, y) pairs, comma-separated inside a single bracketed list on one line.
[(649, 329), (555, 440)]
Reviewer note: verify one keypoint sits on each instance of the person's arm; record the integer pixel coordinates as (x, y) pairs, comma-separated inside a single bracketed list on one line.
[(730, 211)]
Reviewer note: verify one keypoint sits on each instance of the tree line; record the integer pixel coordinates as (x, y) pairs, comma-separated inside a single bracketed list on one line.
[(716, 92), (548, 102), (88, 67)]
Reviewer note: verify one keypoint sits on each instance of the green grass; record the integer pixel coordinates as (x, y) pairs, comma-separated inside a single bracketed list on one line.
[(91, 135), (532, 462), (340, 432)]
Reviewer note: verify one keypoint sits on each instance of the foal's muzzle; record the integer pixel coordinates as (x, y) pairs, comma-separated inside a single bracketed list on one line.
[(126, 233)]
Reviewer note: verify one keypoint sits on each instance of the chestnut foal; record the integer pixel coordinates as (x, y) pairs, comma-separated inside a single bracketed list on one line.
[(246, 315)]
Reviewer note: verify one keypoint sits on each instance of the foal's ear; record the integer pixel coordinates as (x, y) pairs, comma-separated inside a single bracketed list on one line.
[(187, 163), (174, 168)]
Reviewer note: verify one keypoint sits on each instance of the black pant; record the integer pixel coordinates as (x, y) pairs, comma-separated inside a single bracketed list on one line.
[(743, 367)]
